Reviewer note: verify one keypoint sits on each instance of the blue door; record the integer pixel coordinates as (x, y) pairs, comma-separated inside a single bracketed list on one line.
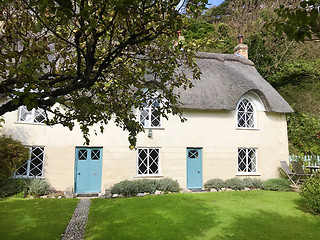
[(88, 170), (194, 168)]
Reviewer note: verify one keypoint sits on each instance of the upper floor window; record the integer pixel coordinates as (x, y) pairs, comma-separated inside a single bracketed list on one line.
[(36, 115), (34, 166), (149, 116), (246, 114)]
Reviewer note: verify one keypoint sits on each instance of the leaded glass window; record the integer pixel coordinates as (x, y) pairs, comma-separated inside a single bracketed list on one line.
[(150, 115), (33, 116), (34, 166), (247, 160), (245, 114), (148, 161)]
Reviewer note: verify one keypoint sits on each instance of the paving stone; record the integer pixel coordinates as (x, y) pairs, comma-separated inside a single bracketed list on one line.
[(78, 222)]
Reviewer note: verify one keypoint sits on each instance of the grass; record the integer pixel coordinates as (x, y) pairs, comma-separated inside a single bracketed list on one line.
[(222, 215), (34, 218)]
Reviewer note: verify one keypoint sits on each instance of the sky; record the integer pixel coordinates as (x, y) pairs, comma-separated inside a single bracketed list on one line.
[(214, 2)]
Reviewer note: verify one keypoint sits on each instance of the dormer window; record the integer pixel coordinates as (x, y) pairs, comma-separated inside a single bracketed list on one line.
[(150, 116), (245, 114), (36, 115)]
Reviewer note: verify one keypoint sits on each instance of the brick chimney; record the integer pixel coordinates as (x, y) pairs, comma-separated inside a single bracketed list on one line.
[(241, 49)]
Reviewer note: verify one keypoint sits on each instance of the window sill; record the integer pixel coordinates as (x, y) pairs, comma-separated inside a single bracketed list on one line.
[(154, 128), (149, 176), (253, 129), (30, 123), (248, 174)]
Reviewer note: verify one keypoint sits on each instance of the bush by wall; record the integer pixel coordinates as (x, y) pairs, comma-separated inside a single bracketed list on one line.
[(215, 183), (235, 184), (132, 188), (13, 154), (310, 194), (23, 186), (277, 184)]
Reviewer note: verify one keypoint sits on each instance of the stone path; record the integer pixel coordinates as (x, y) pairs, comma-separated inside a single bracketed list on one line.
[(78, 222)]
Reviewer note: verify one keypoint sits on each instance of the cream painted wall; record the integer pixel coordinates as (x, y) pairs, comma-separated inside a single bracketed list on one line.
[(214, 131)]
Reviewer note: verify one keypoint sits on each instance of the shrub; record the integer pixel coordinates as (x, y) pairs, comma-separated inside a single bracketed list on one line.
[(215, 183), (146, 185), (168, 185), (277, 184), (310, 194), (38, 187), (235, 184), (12, 155), (12, 186), (257, 183), (126, 188)]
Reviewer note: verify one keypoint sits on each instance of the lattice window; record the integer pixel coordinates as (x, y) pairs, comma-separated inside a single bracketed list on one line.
[(247, 160), (148, 161), (245, 114), (34, 116), (150, 115), (34, 166)]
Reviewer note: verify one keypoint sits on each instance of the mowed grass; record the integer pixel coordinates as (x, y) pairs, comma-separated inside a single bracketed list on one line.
[(221, 215), (35, 218)]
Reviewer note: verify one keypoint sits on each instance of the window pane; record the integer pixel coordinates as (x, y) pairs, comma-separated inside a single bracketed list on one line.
[(148, 161), (245, 114), (82, 154), (95, 154), (22, 171), (142, 161), (39, 115), (25, 115), (155, 118), (193, 154), (144, 117)]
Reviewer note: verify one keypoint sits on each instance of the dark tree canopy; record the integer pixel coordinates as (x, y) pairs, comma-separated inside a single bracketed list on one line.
[(86, 61)]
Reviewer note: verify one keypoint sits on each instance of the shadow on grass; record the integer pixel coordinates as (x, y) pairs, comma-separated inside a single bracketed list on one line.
[(265, 225), (153, 217)]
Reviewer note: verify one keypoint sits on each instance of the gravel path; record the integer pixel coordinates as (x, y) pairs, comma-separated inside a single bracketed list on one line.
[(78, 222)]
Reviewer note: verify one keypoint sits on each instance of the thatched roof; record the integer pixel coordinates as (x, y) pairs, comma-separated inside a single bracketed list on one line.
[(224, 80)]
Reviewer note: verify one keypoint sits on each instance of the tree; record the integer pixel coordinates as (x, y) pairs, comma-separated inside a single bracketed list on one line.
[(12, 155), (301, 22), (86, 61)]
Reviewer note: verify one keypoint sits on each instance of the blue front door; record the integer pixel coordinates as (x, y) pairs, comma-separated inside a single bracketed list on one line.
[(194, 168), (88, 170)]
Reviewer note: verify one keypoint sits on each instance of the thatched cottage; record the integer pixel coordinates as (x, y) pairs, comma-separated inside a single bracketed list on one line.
[(236, 128)]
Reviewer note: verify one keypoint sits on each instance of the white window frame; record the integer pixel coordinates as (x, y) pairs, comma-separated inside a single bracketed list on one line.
[(246, 114), (30, 166), (149, 110), (31, 115), (148, 174), (247, 161)]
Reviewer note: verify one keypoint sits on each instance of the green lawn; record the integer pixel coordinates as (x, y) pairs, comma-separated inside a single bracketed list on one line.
[(35, 218), (222, 215)]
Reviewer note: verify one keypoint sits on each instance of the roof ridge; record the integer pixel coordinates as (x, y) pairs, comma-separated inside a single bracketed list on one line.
[(224, 57)]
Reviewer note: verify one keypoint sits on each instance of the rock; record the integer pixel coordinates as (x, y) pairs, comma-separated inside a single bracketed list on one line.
[(108, 193), (44, 196), (213, 190), (121, 195), (141, 194), (229, 189), (157, 192), (115, 195), (223, 189), (32, 197), (59, 197), (68, 193), (246, 189), (52, 197), (185, 190)]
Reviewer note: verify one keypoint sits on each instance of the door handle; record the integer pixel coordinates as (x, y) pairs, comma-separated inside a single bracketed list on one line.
[(198, 171), (79, 174)]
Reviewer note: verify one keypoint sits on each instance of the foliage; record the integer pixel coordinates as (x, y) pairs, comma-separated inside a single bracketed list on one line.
[(262, 215), (168, 185), (310, 194), (12, 186), (301, 22), (257, 183), (91, 57), (31, 219), (23, 187), (304, 133), (276, 184), (132, 188), (215, 183), (235, 183), (13, 154), (38, 187)]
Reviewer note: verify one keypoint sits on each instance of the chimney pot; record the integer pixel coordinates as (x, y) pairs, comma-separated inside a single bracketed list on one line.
[(241, 49)]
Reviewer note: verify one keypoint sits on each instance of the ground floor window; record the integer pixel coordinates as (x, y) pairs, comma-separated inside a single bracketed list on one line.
[(148, 161), (34, 166), (247, 160)]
